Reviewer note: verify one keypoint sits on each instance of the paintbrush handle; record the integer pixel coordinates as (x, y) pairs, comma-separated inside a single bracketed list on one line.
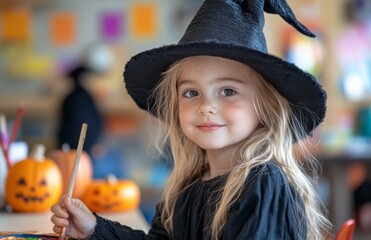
[(75, 168), (77, 159)]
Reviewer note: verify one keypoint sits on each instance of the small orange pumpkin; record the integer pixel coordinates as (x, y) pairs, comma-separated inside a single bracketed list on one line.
[(33, 184), (112, 195), (65, 159)]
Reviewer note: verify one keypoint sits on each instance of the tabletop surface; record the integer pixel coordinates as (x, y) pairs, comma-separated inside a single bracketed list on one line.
[(40, 222)]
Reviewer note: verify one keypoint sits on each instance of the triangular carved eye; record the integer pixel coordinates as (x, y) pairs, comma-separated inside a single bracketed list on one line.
[(43, 182), (22, 182)]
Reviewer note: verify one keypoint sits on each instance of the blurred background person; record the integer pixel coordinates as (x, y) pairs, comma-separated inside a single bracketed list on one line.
[(79, 105)]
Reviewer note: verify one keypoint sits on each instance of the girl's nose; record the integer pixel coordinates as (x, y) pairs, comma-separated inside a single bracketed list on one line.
[(206, 108)]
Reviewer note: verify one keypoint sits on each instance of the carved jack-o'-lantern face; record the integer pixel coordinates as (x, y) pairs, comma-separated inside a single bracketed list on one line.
[(33, 186), (112, 196)]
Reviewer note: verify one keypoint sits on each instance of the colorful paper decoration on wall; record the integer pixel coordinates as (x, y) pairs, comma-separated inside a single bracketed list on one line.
[(15, 25), (38, 65), (144, 20), (353, 52), (63, 28), (30, 65), (111, 26), (307, 53)]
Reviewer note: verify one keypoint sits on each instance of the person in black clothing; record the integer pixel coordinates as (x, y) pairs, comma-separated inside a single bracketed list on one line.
[(77, 108), (231, 115), (362, 205)]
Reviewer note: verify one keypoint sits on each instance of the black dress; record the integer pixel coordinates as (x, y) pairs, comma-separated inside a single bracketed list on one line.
[(268, 208)]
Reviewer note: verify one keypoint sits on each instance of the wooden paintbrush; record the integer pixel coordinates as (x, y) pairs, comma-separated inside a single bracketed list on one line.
[(74, 169)]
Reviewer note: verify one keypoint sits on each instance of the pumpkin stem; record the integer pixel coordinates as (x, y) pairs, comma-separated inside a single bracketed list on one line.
[(111, 179), (66, 147), (38, 152)]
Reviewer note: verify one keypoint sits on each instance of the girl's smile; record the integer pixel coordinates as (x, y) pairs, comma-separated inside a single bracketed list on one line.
[(209, 127)]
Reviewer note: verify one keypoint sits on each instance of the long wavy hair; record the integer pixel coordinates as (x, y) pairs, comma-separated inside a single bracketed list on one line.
[(278, 137)]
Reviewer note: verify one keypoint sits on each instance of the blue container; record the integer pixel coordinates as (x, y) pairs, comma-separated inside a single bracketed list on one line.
[(364, 122)]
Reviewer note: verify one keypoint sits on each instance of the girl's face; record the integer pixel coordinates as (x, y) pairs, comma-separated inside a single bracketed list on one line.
[(216, 102)]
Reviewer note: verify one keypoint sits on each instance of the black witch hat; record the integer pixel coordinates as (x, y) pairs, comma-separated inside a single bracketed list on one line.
[(233, 29)]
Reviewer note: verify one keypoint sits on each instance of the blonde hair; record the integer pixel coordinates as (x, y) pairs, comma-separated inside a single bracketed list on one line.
[(274, 139)]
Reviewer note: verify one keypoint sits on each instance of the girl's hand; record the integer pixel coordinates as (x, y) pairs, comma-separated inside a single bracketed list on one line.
[(75, 216)]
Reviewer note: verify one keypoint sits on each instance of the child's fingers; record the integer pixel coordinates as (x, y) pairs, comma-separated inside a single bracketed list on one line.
[(57, 229), (62, 199), (59, 211), (68, 202), (59, 222), (75, 206)]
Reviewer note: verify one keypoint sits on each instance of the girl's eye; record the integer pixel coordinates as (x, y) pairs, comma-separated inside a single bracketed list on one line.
[(228, 92), (190, 93)]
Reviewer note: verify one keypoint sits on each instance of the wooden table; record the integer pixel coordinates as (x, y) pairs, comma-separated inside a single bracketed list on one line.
[(40, 222)]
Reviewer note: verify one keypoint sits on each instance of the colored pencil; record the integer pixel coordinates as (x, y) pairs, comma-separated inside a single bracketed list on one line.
[(17, 123)]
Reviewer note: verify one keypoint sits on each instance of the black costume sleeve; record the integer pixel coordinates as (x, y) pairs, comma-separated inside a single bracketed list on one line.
[(110, 230), (269, 209)]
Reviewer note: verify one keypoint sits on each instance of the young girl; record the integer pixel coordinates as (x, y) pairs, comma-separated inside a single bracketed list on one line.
[(231, 115)]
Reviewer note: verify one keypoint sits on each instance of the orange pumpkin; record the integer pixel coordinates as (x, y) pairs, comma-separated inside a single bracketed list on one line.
[(33, 184), (112, 195), (65, 160)]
